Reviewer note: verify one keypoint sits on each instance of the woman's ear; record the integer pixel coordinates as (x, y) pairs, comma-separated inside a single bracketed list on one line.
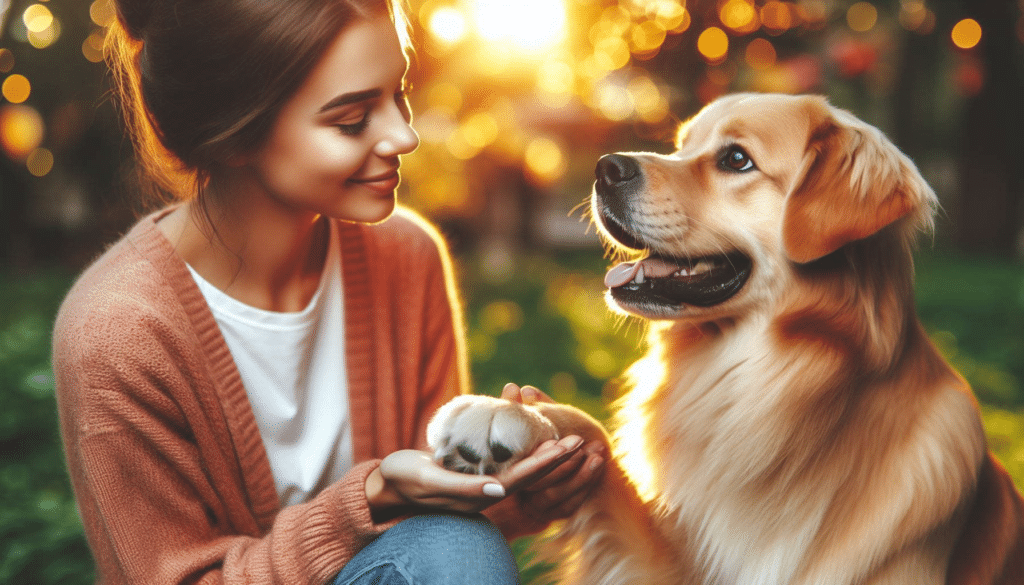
[(854, 182)]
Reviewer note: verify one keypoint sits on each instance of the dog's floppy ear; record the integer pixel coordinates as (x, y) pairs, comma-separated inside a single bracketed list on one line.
[(854, 182)]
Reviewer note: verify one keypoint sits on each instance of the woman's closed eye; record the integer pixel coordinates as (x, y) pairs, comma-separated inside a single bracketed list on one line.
[(359, 124), (354, 125)]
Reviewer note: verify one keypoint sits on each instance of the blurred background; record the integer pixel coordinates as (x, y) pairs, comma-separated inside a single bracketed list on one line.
[(515, 102)]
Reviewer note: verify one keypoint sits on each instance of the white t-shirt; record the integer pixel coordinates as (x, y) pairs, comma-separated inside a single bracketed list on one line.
[(293, 369)]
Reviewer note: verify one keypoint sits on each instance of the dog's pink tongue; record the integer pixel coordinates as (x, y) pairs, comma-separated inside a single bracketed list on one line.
[(621, 274)]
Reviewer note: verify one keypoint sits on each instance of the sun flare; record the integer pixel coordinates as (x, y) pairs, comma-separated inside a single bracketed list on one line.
[(531, 25)]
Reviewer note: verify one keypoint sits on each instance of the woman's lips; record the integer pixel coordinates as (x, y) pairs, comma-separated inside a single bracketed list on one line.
[(384, 182)]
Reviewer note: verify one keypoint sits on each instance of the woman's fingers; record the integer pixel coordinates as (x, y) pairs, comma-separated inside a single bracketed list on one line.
[(563, 496), (512, 392), (531, 395), (566, 470), (419, 480), (543, 460), (524, 395)]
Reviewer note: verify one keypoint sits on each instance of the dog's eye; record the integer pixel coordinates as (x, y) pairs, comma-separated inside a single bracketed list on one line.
[(736, 159)]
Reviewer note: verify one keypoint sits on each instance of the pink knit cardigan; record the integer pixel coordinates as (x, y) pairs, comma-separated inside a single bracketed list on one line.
[(170, 473)]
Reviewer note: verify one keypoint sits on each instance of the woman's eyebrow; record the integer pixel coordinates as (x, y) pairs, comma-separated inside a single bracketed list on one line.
[(351, 98)]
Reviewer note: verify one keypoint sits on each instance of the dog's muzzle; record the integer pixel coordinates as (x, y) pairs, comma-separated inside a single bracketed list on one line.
[(657, 280)]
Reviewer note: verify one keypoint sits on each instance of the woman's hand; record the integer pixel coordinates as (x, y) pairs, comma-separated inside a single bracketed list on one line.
[(412, 478), (559, 492)]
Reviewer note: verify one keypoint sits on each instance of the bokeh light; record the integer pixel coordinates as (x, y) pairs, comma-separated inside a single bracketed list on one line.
[(613, 101), (647, 37), (555, 83), (760, 54), (479, 130), (102, 12), (45, 37), (21, 131), (37, 18), (713, 44), (445, 97), (39, 162), (966, 34), (916, 17), (739, 15), (16, 88), (544, 160), (6, 60), (501, 316), (648, 100), (862, 16), (777, 17), (92, 47)]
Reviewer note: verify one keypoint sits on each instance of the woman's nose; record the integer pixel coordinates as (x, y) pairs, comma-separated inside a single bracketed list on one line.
[(398, 137)]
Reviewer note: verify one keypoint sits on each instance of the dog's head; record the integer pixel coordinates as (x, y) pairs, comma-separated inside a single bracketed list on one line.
[(760, 184)]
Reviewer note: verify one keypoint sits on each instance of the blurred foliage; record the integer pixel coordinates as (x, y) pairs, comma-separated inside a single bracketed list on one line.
[(40, 533), (537, 320)]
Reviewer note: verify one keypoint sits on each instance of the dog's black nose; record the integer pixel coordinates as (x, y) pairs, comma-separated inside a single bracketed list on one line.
[(613, 169)]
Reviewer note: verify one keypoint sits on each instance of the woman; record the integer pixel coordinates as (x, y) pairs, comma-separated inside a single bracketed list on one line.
[(244, 378)]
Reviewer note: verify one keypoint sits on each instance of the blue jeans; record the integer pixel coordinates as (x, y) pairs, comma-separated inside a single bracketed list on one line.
[(434, 549)]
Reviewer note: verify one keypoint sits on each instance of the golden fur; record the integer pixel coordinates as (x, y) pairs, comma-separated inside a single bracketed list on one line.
[(805, 430)]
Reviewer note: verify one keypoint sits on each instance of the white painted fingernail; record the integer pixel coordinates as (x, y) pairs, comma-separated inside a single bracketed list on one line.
[(495, 490)]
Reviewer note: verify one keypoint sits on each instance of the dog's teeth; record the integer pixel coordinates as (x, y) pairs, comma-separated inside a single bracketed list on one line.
[(639, 278), (702, 266)]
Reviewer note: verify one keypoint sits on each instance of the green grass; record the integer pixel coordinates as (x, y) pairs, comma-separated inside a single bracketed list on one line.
[(543, 324)]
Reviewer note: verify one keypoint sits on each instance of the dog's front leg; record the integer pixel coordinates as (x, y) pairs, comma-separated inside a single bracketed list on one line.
[(613, 539)]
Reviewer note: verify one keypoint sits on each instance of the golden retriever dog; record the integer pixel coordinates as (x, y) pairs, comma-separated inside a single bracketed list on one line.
[(792, 423)]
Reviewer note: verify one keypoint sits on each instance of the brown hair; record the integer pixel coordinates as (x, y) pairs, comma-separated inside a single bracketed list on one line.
[(201, 80)]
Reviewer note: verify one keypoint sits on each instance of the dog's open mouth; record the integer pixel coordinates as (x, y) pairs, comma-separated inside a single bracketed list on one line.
[(699, 282), (660, 280)]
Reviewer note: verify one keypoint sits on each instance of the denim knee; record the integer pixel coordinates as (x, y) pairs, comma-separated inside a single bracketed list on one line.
[(436, 549)]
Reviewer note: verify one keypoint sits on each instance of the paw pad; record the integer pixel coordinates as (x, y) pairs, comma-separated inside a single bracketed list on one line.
[(484, 435)]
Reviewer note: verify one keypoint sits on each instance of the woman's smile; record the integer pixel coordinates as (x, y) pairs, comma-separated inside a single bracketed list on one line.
[(385, 182)]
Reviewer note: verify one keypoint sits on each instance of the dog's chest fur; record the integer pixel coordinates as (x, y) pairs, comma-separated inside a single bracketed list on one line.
[(759, 472)]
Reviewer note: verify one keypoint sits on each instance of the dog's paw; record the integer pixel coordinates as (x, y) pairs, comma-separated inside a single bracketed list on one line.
[(484, 435)]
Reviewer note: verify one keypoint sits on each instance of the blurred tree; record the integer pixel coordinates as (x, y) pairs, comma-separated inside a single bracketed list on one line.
[(990, 150)]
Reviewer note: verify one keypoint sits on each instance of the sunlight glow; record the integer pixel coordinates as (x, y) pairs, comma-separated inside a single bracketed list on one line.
[(532, 25), (646, 375), (448, 25)]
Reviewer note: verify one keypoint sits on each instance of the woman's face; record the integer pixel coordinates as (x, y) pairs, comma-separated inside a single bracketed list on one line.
[(334, 147)]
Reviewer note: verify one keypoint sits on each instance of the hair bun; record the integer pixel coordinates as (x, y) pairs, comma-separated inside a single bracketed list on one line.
[(135, 15)]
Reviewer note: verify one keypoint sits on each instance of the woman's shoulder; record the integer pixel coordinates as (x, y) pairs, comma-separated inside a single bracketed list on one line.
[(124, 292)]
